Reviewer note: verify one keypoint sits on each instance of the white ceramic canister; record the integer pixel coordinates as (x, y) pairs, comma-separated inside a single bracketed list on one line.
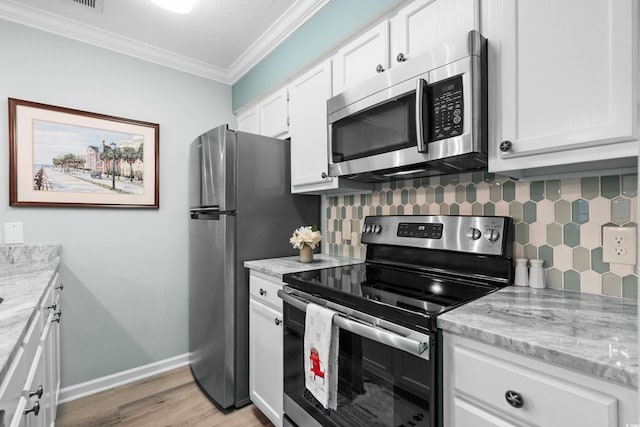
[(536, 274), (522, 273)]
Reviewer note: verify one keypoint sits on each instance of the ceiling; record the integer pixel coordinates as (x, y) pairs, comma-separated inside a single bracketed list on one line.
[(220, 39)]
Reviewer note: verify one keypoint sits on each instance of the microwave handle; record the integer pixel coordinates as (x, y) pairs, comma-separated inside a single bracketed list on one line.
[(420, 126)]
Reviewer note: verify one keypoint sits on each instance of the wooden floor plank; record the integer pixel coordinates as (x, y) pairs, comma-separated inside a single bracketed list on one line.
[(168, 399)]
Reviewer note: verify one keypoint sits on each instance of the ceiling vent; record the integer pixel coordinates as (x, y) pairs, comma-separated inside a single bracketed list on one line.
[(95, 5)]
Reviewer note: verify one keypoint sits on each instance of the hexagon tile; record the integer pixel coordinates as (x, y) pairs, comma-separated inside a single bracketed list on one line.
[(559, 221)]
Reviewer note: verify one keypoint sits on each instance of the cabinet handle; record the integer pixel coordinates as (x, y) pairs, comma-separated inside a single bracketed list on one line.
[(323, 175), (505, 146), (263, 292), (61, 287), (39, 392), (35, 409), (514, 398), (53, 307), (58, 316), (278, 321), (401, 57), (379, 68)]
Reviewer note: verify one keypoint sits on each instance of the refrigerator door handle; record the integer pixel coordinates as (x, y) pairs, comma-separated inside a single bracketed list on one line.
[(209, 213)]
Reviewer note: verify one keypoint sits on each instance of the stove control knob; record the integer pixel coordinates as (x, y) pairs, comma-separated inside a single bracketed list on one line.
[(492, 235), (367, 228), (474, 233), (377, 229)]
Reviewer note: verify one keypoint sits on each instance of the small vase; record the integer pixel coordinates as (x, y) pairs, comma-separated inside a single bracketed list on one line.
[(306, 254)]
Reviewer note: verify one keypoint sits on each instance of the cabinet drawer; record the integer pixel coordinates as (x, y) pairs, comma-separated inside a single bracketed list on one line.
[(265, 289), (546, 400), (32, 337)]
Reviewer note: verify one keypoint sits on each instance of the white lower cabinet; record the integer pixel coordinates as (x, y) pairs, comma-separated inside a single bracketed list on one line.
[(488, 386), (29, 391), (265, 346)]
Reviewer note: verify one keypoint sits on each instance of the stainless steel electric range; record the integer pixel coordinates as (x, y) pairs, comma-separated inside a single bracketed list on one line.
[(389, 363)]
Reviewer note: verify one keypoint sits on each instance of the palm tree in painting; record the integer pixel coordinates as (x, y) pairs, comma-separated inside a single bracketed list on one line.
[(130, 155)]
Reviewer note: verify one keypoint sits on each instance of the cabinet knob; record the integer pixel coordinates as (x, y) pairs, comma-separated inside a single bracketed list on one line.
[(278, 321), (379, 68), (57, 315), (61, 287), (39, 392), (323, 175), (514, 398), (505, 146), (263, 292), (53, 307), (401, 57), (35, 409)]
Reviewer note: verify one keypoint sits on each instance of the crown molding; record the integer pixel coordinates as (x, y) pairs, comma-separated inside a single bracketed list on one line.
[(299, 13), (290, 21)]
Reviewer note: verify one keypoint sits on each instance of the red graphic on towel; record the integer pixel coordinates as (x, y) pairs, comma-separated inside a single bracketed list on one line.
[(315, 364)]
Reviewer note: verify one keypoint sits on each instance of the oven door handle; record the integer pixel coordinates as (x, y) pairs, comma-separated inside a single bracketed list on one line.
[(383, 336)]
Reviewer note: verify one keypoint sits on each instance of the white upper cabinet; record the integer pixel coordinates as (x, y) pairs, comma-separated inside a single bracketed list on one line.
[(423, 24), (308, 97), (309, 150), (362, 58), (563, 85), (248, 121), (269, 117), (273, 115)]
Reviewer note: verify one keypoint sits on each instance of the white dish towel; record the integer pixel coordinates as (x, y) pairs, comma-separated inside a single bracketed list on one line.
[(321, 355)]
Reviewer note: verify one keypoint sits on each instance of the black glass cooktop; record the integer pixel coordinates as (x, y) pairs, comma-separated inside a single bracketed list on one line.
[(409, 297)]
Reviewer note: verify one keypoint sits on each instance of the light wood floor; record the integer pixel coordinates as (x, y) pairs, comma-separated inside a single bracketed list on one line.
[(168, 399)]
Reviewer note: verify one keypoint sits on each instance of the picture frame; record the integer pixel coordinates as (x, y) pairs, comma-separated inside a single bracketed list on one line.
[(62, 157)]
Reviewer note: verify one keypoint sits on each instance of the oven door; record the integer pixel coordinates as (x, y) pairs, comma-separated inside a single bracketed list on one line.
[(384, 378)]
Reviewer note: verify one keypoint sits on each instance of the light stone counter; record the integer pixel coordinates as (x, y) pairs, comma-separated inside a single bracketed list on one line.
[(592, 334), (25, 272), (277, 267)]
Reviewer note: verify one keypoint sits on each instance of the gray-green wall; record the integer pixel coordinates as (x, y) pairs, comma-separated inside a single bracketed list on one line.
[(124, 271), (323, 32)]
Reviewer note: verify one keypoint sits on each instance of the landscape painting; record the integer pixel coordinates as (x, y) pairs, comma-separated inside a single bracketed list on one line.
[(64, 157)]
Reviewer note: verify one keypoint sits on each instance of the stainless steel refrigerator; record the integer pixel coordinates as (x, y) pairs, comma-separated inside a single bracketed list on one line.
[(240, 209)]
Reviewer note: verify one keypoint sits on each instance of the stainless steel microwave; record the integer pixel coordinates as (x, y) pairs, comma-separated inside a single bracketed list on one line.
[(426, 116)]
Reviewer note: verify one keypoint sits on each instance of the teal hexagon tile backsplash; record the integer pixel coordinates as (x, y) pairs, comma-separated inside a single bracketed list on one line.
[(558, 220)]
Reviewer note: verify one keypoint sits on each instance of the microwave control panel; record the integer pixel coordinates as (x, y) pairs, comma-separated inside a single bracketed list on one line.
[(447, 108)]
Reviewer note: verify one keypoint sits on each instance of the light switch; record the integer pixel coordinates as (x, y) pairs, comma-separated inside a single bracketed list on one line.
[(13, 232)]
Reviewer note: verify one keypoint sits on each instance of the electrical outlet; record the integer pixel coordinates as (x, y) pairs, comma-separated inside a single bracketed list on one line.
[(13, 232), (619, 245)]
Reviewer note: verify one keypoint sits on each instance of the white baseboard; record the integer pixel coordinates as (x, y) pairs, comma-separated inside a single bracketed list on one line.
[(88, 388)]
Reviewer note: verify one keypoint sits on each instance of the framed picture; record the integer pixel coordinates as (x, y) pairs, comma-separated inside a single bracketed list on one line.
[(64, 157)]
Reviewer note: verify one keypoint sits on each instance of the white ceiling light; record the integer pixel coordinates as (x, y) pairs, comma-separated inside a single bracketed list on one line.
[(177, 6)]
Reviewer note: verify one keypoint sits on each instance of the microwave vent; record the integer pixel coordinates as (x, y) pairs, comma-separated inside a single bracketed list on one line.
[(95, 5)]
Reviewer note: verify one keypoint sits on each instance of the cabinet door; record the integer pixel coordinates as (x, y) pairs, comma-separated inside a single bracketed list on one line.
[(308, 97), (265, 360), (11, 387), (362, 58), (468, 415), (50, 376), (273, 115), (561, 81), (34, 415), (248, 121), (424, 24)]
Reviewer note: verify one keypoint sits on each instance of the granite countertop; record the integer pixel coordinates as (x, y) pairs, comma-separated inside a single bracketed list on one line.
[(593, 334), (277, 267), (25, 272)]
